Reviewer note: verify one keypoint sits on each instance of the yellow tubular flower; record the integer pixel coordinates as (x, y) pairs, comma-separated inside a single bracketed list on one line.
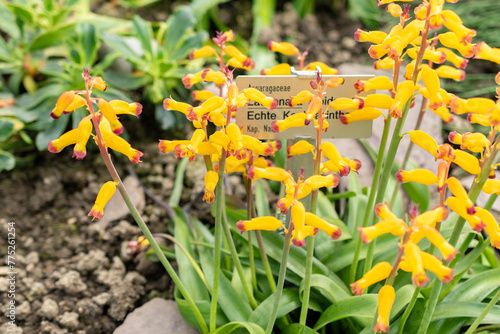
[(82, 137), (403, 94), (381, 101), (433, 264), (234, 52), (446, 249), (431, 82), (394, 9), (414, 257), (280, 69), (233, 62), (296, 120), (68, 138), (409, 33), (383, 211), (201, 95), (167, 146), (454, 58), (331, 152), (302, 97), (450, 40), (325, 69), (313, 108), (424, 140), (298, 212), (343, 103), (492, 186), (444, 113), (220, 138), (205, 51), (474, 142), (455, 138), (98, 83), (449, 72), (376, 83), (458, 207), (122, 107), (491, 227), (232, 97), (320, 181), (375, 37), (430, 218), (300, 147), (384, 64), (437, 57), (64, 100), (442, 175), (269, 173), (484, 51), (107, 111), (467, 161), (396, 227), (332, 231), (284, 204), (78, 102), (379, 272), (236, 144), (364, 114), (190, 79), (191, 149), (299, 236), (422, 176), (171, 104), (258, 96), (386, 297), (483, 120), (211, 179), (285, 48), (209, 75), (435, 14), (453, 22), (104, 195), (354, 165), (265, 223), (228, 35)]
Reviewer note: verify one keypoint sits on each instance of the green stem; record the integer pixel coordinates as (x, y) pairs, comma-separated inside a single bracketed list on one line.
[(483, 314), (248, 184), (265, 261), (219, 208), (371, 198), (307, 281), (236, 260), (281, 279), (408, 310)]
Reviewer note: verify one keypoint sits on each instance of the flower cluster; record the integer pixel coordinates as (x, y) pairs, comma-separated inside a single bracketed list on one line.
[(106, 125)]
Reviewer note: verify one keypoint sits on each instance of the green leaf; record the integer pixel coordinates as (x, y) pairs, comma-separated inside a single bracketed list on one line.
[(201, 7), (53, 37), (289, 301), (144, 33), (357, 306), (332, 289), (191, 42), (298, 329), (119, 45), (126, 81), (21, 13), (188, 275), (203, 306), (8, 22), (7, 161), (6, 128), (89, 43), (232, 326), (261, 200), (55, 131), (475, 288), (166, 118), (178, 24)]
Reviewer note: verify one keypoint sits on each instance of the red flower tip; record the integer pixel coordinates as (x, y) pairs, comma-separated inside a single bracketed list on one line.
[(138, 108), (54, 116), (278, 145), (356, 289), (191, 55), (263, 72), (95, 214), (398, 176), (270, 45), (282, 207), (118, 131), (307, 121), (361, 103), (363, 235), (420, 281), (464, 63), (451, 256), (479, 227), (241, 226), (448, 278), (337, 234), (273, 104), (137, 157), (79, 154), (290, 102), (297, 243), (251, 173), (359, 86), (186, 81), (345, 171), (52, 148), (471, 210), (343, 119), (357, 34), (274, 127)]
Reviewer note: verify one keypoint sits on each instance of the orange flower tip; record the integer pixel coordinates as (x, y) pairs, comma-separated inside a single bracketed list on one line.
[(95, 214), (453, 134), (281, 205), (52, 148), (298, 243), (241, 226), (399, 176), (307, 121), (79, 154), (448, 278), (381, 328), (263, 72), (471, 210), (357, 34), (359, 86), (136, 158), (251, 173), (186, 81), (336, 234), (363, 236), (344, 171), (479, 227), (274, 126), (420, 280), (138, 109), (273, 104), (270, 45), (451, 257), (356, 289), (209, 196)]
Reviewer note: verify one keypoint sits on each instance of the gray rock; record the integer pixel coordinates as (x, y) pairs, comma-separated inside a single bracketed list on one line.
[(49, 309), (114, 275), (37, 289), (157, 316), (6, 328), (124, 294), (33, 258), (101, 299), (23, 310), (47, 327), (93, 260), (69, 320), (87, 310), (71, 283)]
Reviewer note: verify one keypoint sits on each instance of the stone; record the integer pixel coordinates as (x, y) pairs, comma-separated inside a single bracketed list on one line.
[(93, 260), (157, 316), (101, 299), (6, 328), (49, 309), (71, 282), (69, 320), (23, 310)]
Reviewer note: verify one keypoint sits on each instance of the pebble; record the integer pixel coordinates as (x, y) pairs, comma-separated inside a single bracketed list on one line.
[(92, 260), (49, 309), (71, 283), (69, 320)]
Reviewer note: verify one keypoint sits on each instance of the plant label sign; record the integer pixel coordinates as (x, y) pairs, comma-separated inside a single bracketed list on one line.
[(256, 119)]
